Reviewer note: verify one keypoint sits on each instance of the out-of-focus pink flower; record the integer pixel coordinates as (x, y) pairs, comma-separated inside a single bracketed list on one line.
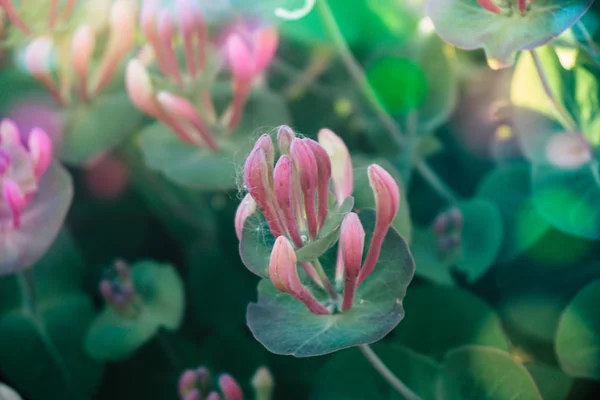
[(36, 194), (107, 177)]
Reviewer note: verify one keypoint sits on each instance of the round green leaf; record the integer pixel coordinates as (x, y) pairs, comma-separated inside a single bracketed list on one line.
[(509, 188), (257, 241), (444, 318), (578, 335), (429, 265), (552, 382), (114, 336), (43, 354), (92, 129), (285, 326), (467, 25), (477, 373)]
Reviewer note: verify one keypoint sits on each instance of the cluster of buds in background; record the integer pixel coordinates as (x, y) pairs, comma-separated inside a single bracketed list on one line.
[(179, 96), (293, 195), (119, 291), (54, 15), (195, 384), (22, 165), (91, 52), (447, 229)]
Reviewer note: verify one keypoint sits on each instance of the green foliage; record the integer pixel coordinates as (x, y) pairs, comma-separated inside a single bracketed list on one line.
[(285, 326), (114, 334)]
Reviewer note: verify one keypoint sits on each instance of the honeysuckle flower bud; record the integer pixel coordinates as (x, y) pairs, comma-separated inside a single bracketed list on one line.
[(40, 149), (324, 168), (568, 151), (193, 395), (447, 229), (387, 202), (285, 136), (283, 182), (352, 241), (266, 143), (82, 48), (308, 172), (139, 88), (14, 199), (263, 384), (341, 164), (284, 275), (213, 396), (192, 28), (37, 61), (13, 16), (230, 388), (246, 208), (187, 382)]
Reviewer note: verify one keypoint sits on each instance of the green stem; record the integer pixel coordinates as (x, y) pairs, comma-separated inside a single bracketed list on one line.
[(567, 120), (25, 279), (324, 279), (387, 374), (435, 181), (355, 70)]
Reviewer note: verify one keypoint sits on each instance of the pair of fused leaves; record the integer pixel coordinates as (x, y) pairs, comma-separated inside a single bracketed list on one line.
[(467, 25), (114, 335), (52, 333), (200, 168), (285, 326), (480, 241), (567, 197), (461, 355)]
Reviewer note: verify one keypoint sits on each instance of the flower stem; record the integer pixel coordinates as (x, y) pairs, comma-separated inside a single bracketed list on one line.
[(387, 374), (26, 284), (435, 181), (324, 279), (355, 70), (567, 120)]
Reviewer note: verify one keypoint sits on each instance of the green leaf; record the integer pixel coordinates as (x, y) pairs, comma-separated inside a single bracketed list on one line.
[(478, 373), (444, 318), (552, 382), (481, 237), (364, 197), (43, 354), (285, 326), (467, 25), (114, 336), (257, 241), (578, 335), (201, 169), (96, 128), (509, 188), (429, 265)]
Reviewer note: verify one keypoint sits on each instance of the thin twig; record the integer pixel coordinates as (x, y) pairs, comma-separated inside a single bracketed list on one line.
[(434, 181), (387, 374)]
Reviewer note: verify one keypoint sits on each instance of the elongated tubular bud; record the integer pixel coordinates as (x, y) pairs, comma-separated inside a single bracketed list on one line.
[(149, 26), (122, 36), (387, 202), (307, 168), (13, 16), (285, 136), (352, 241), (37, 61), (282, 259), (53, 12), (258, 180), (186, 12), (246, 208), (490, 6), (266, 143), (40, 149), (265, 41), (230, 388), (67, 10), (324, 167), (165, 37), (522, 5), (187, 382), (82, 49), (283, 179), (213, 396), (240, 58), (341, 164), (14, 199), (263, 384), (180, 107)]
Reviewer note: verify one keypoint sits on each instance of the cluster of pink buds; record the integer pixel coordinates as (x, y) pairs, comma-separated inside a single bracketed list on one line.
[(191, 115), (506, 7), (293, 195), (194, 384), (92, 74), (23, 162), (57, 14), (119, 291), (447, 229)]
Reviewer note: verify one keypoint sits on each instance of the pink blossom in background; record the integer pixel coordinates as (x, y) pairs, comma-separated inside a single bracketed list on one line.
[(37, 111)]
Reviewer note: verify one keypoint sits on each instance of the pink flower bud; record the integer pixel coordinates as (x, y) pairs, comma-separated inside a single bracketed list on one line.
[(9, 133), (265, 143), (190, 22), (440, 225), (308, 171), (285, 136), (106, 290), (37, 56), (263, 383), (82, 49), (341, 164), (387, 202), (5, 161), (490, 6), (283, 181), (324, 167), (230, 388), (187, 383), (139, 88), (266, 41), (213, 396), (40, 148), (167, 54), (568, 151), (282, 260), (195, 395), (522, 5), (14, 199), (352, 241), (246, 208), (240, 58)]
